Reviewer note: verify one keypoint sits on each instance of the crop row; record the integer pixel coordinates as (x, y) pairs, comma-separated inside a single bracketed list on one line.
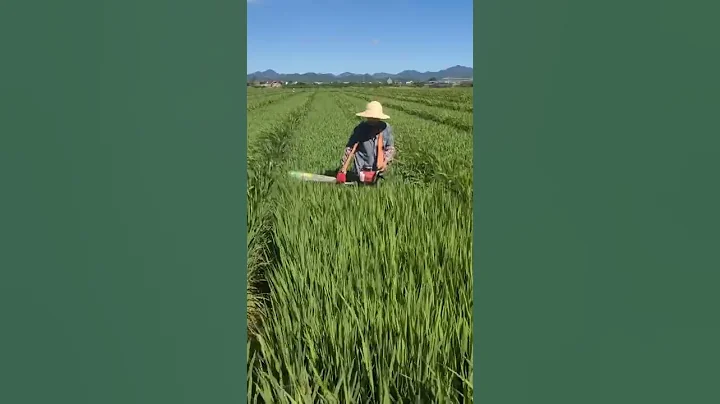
[(263, 101), (370, 299), (428, 98), (254, 91), (456, 119), (263, 119), (462, 95), (266, 150)]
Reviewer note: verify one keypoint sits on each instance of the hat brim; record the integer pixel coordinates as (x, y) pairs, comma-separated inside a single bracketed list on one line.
[(367, 114)]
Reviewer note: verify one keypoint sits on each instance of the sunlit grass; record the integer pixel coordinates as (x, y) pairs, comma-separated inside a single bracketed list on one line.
[(369, 289)]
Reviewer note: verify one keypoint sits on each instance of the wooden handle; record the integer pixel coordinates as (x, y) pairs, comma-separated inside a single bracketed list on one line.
[(347, 162)]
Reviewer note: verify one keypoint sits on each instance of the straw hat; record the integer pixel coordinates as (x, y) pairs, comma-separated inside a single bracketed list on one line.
[(373, 110)]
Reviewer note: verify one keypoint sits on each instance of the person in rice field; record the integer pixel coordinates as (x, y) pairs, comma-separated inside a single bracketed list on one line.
[(372, 145)]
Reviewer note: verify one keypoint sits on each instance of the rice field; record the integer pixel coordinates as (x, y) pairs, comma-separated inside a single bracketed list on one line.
[(360, 294)]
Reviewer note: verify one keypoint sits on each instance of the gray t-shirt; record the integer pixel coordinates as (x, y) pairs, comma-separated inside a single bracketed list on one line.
[(366, 136)]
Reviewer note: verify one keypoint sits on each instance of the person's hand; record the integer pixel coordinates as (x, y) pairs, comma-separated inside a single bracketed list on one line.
[(340, 177)]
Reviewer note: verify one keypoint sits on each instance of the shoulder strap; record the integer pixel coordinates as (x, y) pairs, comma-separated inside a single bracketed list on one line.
[(380, 152), (347, 162)]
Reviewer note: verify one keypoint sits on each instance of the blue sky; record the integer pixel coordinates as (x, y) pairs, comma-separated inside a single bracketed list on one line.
[(369, 36)]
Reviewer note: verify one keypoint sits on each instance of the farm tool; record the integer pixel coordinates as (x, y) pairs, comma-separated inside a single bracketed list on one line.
[(366, 176)]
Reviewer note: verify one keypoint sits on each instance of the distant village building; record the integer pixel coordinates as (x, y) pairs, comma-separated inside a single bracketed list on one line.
[(456, 81), (449, 82), (389, 80), (272, 84)]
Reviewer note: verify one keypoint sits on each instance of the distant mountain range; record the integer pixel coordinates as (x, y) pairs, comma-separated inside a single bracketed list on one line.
[(405, 75)]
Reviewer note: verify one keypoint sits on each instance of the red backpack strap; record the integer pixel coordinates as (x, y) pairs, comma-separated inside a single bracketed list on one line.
[(347, 162), (380, 151)]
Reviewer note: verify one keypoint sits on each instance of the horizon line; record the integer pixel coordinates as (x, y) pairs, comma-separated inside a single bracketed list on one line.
[(358, 74)]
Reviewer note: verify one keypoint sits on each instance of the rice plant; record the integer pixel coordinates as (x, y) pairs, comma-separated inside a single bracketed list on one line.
[(368, 289)]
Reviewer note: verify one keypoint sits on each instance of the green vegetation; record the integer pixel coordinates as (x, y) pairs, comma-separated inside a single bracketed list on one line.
[(359, 294), (456, 99)]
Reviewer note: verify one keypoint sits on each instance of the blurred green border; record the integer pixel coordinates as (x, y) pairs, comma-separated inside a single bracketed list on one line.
[(596, 214), (122, 192), (122, 229)]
